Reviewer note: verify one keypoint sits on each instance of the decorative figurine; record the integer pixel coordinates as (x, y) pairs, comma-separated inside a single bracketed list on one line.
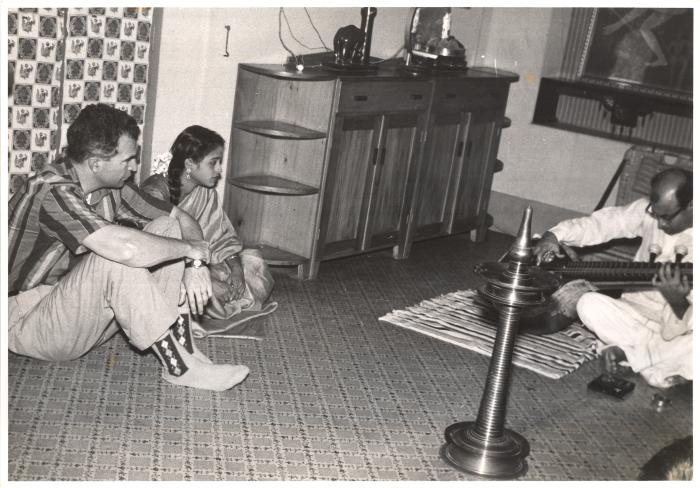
[(352, 44)]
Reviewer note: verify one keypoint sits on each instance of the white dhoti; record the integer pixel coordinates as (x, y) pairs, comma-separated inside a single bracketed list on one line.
[(634, 324)]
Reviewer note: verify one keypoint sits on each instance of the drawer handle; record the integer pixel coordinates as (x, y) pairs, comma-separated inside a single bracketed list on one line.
[(382, 156), (416, 96), (360, 98), (450, 95), (378, 156)]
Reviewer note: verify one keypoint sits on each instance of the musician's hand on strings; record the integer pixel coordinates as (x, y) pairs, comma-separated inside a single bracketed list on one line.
[(671, 282), (674, 286), (547, 248)]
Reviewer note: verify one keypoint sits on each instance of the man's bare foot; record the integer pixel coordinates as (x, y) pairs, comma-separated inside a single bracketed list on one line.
[(612, 356)]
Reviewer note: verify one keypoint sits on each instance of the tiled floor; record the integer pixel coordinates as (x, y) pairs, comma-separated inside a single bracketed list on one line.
[(333, 394)]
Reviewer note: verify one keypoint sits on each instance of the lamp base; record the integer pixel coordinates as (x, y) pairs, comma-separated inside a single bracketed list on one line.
[(500, 458)]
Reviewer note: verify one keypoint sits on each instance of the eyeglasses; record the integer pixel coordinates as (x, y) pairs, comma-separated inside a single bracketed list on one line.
[(665, 218)]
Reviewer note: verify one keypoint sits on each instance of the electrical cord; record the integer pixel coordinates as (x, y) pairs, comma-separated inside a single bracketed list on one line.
[(279, 33), (315, 29), (291, 33), (299, 58), (398, 51)]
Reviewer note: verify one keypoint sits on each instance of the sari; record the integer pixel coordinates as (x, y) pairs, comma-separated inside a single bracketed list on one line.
[(238, 288)]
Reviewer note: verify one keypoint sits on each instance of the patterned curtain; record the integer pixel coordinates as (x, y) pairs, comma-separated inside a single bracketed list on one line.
[(35, 55), (65, 59)]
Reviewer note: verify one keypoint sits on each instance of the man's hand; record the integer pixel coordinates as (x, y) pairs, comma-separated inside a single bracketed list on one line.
[(197, 283), (547, 248), (674, 287)]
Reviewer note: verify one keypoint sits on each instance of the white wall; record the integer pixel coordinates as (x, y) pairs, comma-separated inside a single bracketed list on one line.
[(196, 84), (557, 168)]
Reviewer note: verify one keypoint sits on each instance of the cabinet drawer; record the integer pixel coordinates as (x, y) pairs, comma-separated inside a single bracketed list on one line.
[(457, 96), (377, 96)]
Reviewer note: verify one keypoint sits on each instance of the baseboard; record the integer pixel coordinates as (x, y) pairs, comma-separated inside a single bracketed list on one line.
[(507, 211)]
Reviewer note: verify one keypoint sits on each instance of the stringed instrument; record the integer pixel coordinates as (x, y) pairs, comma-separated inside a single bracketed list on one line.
[(583, 276), (613, 274)]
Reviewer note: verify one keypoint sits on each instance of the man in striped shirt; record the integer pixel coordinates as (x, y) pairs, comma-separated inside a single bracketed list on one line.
[(89, 254)]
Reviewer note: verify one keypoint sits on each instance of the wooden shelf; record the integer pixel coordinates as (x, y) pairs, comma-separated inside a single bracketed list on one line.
[(272, 184), (278, 257), (281, 72), (281, 130)]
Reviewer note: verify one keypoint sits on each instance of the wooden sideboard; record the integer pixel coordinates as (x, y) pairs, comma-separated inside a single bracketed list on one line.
[(324, 164)]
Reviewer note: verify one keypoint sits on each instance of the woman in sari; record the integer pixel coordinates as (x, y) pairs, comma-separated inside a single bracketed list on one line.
[(187, 177)]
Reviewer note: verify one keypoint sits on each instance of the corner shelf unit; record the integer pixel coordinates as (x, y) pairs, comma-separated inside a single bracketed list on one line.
[(276, 164)]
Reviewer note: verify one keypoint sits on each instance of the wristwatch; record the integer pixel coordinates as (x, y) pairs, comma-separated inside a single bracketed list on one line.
[(195, 263)]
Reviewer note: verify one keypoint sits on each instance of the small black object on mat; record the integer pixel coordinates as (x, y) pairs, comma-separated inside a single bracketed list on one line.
[(610, 385)]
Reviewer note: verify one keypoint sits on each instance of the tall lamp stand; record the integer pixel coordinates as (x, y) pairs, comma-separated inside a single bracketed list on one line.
[(485, 447)]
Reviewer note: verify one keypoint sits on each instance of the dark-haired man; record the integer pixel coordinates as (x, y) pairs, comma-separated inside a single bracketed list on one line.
[(76, 275), (651, 329)]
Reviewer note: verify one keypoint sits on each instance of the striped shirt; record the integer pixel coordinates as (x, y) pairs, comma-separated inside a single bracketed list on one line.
[(50, 216)]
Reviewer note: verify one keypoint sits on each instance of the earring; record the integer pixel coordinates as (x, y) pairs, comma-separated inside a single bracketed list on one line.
[(188, 173)]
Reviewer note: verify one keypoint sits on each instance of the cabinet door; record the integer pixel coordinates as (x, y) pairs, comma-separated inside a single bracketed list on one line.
[(444, 148), (392, 187), (349, 180), (477, 172), (366, 200)]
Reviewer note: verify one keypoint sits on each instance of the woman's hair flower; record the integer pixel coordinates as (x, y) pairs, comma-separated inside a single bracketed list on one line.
[(161, 163)]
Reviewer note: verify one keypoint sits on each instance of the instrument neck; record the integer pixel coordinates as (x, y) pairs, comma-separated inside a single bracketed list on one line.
[(615, 274)]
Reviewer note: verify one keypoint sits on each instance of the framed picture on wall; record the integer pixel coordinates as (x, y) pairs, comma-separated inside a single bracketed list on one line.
[(650, 47)]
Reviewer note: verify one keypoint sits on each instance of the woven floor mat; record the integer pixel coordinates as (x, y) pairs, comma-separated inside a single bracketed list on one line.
[(460, 319)]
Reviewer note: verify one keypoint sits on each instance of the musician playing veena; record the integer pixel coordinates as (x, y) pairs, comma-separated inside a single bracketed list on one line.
[(649, 330)]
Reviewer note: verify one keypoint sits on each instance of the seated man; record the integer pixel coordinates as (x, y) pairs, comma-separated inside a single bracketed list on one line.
[(75, 275), (652, 330)]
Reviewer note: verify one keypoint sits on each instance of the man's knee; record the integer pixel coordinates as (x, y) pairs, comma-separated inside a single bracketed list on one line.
[(164, 227), (26, 341), (95, 265), (589, 306)]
